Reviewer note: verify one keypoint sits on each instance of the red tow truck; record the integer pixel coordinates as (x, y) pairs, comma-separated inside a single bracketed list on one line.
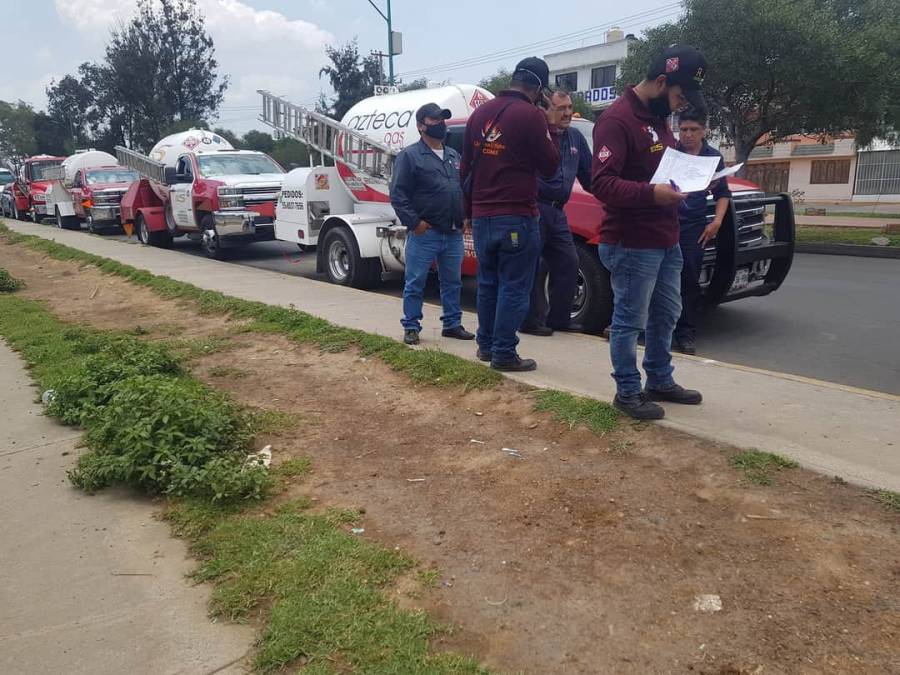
[(29, 192)]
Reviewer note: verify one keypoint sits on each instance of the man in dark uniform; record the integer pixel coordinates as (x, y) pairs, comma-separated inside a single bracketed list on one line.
[(696, 233), (639, 235), (505, 147), (427, 198), (557, 246)]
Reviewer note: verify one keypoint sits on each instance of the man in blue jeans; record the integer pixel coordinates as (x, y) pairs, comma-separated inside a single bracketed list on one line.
[(506, 145), (427, 198), (639, 236)]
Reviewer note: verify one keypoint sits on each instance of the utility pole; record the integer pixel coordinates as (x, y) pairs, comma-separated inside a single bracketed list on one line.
[(394, 39), (380, 56)]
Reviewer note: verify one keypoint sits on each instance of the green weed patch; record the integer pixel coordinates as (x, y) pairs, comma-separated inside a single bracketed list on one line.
[(759, 467), (8, 283), (597, 416)]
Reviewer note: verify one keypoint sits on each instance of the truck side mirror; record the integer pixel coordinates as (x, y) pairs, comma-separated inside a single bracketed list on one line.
[(169, 175)]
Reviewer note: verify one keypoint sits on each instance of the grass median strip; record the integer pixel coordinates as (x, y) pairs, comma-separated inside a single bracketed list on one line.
[(759, 467), (150, 425), (422, 366), (861, 236)]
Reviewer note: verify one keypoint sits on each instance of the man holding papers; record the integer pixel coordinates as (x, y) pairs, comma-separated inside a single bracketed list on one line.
[(695, 232), (639, 236)]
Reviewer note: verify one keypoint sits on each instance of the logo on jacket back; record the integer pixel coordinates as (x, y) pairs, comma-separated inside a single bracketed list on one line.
[(491, 135), (477, 99)]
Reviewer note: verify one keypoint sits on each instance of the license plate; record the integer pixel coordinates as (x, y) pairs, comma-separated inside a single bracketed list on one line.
[(741, 280)]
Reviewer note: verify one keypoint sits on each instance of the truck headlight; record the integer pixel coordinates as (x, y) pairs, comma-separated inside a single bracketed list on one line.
[(230, 198)]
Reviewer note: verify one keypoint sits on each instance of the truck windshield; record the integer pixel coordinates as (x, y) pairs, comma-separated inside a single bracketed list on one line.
[(98, 176), (39, 169), (232, 165), (6, 177)]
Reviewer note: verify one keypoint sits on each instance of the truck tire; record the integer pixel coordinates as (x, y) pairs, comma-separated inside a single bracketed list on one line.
[(149, 238), (593, 305), (67, 222), (343, 263), (211, 245)]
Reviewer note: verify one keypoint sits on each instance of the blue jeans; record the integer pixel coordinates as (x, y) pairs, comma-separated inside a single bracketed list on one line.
[(646, 287), (692, 252), (507, 248), (422, 250)]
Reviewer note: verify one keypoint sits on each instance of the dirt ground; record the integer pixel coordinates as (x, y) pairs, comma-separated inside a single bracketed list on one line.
[(585, 554)]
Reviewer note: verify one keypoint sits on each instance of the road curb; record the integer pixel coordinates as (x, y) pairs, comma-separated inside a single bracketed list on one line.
[(849, 249)]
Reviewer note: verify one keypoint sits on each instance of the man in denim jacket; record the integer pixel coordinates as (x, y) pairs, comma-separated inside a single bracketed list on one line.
[(427, 198)]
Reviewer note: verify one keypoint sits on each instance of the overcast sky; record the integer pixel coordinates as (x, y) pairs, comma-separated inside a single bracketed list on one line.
[(279, 44)]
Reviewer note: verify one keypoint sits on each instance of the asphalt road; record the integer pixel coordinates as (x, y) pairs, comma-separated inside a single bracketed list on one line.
[(836, 318)]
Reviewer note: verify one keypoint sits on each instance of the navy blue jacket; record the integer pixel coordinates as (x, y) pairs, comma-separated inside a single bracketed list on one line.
[(425, 188), (574, 162), (692, 211)]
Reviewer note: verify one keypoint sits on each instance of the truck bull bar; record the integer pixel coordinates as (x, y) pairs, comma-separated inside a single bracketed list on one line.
[(730, 258)]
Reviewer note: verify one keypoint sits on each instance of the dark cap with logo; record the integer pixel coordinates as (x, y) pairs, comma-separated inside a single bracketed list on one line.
[(534, 71), (434, 111), (682, 65)]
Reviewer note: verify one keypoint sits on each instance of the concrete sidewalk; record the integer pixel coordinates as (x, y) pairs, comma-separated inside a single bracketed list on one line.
[(832, 428), (92, 585)]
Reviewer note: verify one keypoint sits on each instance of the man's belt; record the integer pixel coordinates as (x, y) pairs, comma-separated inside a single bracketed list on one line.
[(557, 204)]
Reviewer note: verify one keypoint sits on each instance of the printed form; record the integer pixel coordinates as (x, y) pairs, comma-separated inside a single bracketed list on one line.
[(689, 173)]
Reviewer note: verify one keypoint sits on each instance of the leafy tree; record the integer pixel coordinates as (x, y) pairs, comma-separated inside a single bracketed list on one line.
[(352, 77), (582, 107), (184, 125), (497, 82), (16, 130), (259, 141), (50, 137), (68, 103), (230, 136), (290, 153), (419, 83), (783, 68)]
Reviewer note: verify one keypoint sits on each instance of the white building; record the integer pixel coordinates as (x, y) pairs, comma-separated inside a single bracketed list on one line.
[(591, 72)]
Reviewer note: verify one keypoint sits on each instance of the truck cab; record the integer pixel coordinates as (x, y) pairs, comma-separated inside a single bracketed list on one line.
[(29, 192), (96, 193)]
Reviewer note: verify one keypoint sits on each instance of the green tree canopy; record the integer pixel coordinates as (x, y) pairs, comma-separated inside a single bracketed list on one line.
[(16, 130), (780, 68), (259, 141), (497, 82), (352, 77)]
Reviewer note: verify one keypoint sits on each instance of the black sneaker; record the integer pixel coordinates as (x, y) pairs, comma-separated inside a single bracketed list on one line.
[(541, 331), (685, 345), (411, 337), (570, 328), (674, 394), (639, 407), (458, 333), (483, 356), (515, 365)]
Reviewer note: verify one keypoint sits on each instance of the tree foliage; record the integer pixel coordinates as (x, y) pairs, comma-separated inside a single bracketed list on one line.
[(16, 129), (497, 82), (352, 77), (159, 74), (778, 68)]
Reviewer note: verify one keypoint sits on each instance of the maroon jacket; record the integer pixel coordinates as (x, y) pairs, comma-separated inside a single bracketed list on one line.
[(629, 142), (505, 179)]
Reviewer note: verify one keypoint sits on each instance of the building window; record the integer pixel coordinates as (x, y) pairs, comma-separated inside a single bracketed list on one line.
[(830, 172), (604, 76), (567, 81)]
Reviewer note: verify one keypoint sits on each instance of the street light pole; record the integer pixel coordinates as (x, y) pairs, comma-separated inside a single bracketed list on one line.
[(390, 54)]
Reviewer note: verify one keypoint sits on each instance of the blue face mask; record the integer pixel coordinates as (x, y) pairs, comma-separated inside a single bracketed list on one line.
[(437, 131)]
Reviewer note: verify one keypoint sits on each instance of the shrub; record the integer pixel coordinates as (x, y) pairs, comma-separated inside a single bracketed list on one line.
[(8, 283)]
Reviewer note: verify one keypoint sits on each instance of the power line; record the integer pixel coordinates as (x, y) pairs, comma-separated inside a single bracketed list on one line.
[(662, 12)]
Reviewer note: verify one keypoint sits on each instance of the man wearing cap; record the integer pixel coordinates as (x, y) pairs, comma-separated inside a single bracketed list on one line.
[(639, 235), (427, 197), (506, 146), (557, 246)]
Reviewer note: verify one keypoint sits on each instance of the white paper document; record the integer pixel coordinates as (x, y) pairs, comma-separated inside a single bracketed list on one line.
[(724, 173), (689, 173)]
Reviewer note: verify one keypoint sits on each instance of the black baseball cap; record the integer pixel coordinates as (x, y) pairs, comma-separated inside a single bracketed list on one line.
[(434, 111), (537, 68), (682, 65)]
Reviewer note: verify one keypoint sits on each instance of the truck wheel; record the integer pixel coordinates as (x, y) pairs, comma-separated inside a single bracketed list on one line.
[(92, 227), (593, 305), (343, 263), (67, 222), (150, 238), (210, 243)]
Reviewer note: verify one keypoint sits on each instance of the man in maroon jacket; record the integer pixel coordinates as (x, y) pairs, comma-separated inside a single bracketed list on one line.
[(639, 236), (506, 146)]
